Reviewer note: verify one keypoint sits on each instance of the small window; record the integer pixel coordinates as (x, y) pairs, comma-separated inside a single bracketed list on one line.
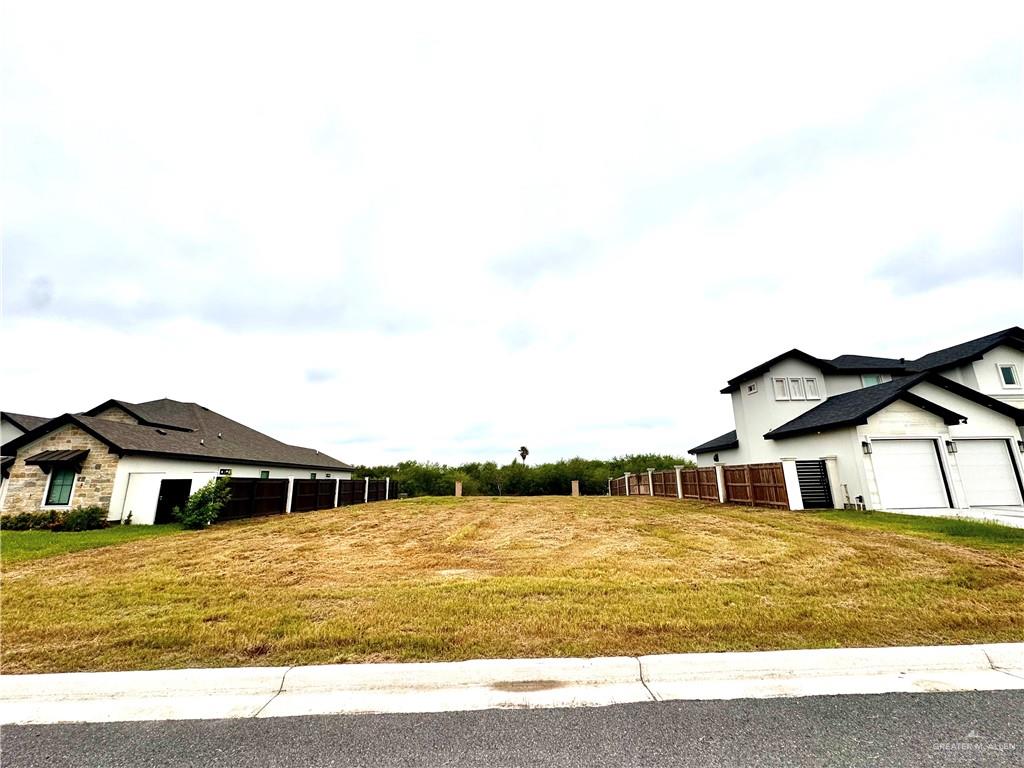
[(264, 474), (312, 475), (1008, 375), (59, 492), (752, 388), (781, 389), (796, 389), (871, 379), (811, 388)]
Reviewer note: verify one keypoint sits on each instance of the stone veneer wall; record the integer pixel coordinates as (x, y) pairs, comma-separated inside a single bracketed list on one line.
[(93, 485), (113, 413)]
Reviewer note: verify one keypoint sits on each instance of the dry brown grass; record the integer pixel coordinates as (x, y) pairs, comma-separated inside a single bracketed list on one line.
[(478, 577)]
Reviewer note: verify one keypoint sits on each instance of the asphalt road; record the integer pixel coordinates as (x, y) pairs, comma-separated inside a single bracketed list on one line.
[(934, 729)]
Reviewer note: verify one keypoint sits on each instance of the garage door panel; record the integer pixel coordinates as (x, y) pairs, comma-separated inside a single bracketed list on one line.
[(908, 474), (987, 474)]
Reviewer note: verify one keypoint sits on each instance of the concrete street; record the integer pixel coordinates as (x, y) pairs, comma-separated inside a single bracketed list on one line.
[(897, 729)]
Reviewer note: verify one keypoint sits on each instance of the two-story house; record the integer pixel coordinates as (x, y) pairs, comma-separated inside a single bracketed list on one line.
[(942, 431)]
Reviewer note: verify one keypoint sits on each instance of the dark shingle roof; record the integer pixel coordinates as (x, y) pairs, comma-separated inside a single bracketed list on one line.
[(970, 350), (24, 421), (934, 361), (194, 432), (720, 443), (855, 407)]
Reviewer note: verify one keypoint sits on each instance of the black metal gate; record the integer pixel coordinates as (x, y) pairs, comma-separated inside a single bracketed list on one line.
[(814, 485)]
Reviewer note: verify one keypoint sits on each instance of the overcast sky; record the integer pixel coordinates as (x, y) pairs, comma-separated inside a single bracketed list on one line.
[(438, 231)]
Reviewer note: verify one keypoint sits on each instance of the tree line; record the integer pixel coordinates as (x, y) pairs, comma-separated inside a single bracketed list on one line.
[(487, 478)]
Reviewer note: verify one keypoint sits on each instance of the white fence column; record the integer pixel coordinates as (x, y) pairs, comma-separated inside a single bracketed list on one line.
[(387, 488), (458, 487), (720, 479), (366, 492), (609, 486), (679, 482), (575, 487), (832, 469), (288, 500), (650, 481), (626, 478), (796, 499), (337, 487)]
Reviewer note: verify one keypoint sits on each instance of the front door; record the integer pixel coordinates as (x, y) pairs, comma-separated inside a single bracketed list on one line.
[(173, 493)]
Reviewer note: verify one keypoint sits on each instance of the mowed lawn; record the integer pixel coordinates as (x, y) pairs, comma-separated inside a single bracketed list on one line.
[(429, 579)]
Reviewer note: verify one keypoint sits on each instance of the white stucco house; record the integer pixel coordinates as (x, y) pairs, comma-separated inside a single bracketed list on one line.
[(139, 458), (942, 431)]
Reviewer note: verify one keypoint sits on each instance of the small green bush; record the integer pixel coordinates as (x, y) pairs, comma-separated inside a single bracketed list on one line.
[(47, 520), (204, 505), (78, 519), (84, 519)]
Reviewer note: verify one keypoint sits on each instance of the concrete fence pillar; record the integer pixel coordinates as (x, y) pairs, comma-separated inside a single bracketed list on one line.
[(609, 486), (387, 488), (650, 481), (458, 487), (720, 480), (575, 487), (366, 492), (626, 478), (832, 470), (679, 482), (796, 499), (288, 499), (337, 487)]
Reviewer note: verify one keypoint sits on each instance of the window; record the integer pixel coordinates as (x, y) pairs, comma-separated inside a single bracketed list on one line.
[(796, 389), (752, 388), (811, 388), (59, 492), (312, 475), (871, 379), (264, 474), (781, 389), (1008, 375)]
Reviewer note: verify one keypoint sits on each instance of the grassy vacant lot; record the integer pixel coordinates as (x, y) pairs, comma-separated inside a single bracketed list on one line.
[(486, 577), (29, 545)]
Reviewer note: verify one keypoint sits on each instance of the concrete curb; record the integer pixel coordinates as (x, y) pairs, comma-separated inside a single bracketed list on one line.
[(502, 683)]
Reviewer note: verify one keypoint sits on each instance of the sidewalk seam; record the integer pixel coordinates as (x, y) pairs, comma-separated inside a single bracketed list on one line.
[(995, 668), (277, 693), (640, 666)]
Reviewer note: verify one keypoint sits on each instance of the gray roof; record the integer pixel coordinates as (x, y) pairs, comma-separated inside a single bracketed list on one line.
[(970, 350), (24, 421), (861, 362), (188, 430), (720, 443)]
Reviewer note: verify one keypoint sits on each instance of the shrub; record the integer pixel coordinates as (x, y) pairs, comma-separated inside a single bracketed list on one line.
[(83, 519), (47, 520), (204, 505)]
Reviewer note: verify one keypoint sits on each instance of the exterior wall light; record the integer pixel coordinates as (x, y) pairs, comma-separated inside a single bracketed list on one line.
[(866, 447), (1020, 446), (950, 446)]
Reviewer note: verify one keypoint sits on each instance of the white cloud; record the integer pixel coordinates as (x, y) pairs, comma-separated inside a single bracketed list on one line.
[(445, 230)]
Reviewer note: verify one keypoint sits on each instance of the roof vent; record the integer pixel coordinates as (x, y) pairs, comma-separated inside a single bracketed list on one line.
[(202, 441), (161, 432), (220, 435)]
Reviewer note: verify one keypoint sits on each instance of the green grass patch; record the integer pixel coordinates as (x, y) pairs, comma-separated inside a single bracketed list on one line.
[(974, 532), (16, 546)]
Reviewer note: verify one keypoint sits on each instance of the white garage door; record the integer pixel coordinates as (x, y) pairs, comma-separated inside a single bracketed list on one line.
[(988, 476), (908, 474)]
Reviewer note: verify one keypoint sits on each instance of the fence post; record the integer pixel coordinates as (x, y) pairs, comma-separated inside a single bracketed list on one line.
[(288, 501), (387, 488), (366, 492), (575, 487), (337, 486), (609, 486), (750, 486), (650, 481), (789, 476), (458, 487), (719, 480), (626, 478), (679, 482)]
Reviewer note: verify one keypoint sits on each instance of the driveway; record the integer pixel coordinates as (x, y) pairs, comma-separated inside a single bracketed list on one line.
[(1012, 516)]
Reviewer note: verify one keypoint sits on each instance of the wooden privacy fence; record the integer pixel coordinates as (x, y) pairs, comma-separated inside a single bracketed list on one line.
[(252, 497), (761, 485)]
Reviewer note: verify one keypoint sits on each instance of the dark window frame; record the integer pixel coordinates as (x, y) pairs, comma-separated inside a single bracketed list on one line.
[(51, 486)]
